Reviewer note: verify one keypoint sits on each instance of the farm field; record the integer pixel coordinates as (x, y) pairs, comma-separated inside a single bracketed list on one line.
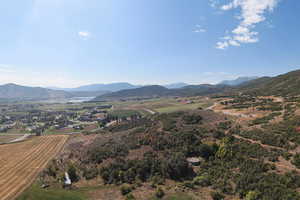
[(183, 107), (167, 105), (20, 163)]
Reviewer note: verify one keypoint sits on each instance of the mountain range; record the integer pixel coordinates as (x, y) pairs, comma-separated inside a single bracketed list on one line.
[(286, 84), (114, 90), (113, 87), (283, 85)]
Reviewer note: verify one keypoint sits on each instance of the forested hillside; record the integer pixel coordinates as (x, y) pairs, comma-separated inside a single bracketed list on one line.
[(282, 85)]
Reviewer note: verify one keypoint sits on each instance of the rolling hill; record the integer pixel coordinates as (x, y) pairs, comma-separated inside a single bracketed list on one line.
[(160, 91), (282, 85), (146, 91), (17, 92)]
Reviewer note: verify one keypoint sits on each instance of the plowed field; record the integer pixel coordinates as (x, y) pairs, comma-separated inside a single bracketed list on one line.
[(20, 163)]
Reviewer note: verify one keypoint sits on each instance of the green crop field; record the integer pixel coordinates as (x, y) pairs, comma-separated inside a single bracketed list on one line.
[(123, 113)]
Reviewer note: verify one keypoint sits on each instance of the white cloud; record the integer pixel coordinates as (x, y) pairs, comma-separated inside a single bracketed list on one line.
[(252, 13), (222, 45), (84, 34)]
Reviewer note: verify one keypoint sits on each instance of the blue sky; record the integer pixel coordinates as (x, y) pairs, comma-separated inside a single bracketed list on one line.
[(68, 43)]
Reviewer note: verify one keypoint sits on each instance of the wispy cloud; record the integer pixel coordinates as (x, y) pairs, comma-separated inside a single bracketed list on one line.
[(199, 29), (252, 13), (84, 34), (6, 68)]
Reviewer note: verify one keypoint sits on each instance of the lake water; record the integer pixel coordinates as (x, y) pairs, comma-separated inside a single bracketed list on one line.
[(80, 99)]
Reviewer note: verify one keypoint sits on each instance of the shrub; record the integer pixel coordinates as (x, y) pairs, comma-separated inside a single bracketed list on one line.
[(217, 196), (130, 197), (177, 166), (157, 180), (192, 119), (159, 193), (91, 173), (188, 184), (202, 181), (125, 189), (73, 173), (296, 160), (112, 149), (252, 195)]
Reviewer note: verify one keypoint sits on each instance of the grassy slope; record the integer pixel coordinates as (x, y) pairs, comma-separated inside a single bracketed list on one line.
[(179, 196), (183, 107), (35, 192)]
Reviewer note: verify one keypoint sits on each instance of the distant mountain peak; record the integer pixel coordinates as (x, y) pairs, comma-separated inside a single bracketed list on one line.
[(238, 80), (111, 87), (114, 87)]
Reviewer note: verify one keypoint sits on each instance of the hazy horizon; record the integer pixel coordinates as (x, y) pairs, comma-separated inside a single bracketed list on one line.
[(135, 84)]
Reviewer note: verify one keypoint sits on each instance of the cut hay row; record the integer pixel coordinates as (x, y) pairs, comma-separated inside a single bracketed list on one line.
[(18, 156), (25, 164), (10, 171)]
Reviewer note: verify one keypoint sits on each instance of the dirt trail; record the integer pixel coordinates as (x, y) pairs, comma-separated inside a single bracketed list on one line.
[(149, 111), (257, 142), (20, 163), (282, 165), (24, 137)]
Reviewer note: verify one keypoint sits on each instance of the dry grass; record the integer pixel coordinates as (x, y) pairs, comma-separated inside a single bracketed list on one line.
[(20, 163)]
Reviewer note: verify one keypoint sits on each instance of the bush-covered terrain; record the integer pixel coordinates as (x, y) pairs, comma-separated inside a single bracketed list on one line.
[(155, 151)]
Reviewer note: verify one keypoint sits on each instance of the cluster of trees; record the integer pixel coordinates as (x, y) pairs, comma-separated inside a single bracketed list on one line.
[(289, 111), (111, 149), (267, 137), (189, 143), (151, 167), (274, 106), (192, 119)]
